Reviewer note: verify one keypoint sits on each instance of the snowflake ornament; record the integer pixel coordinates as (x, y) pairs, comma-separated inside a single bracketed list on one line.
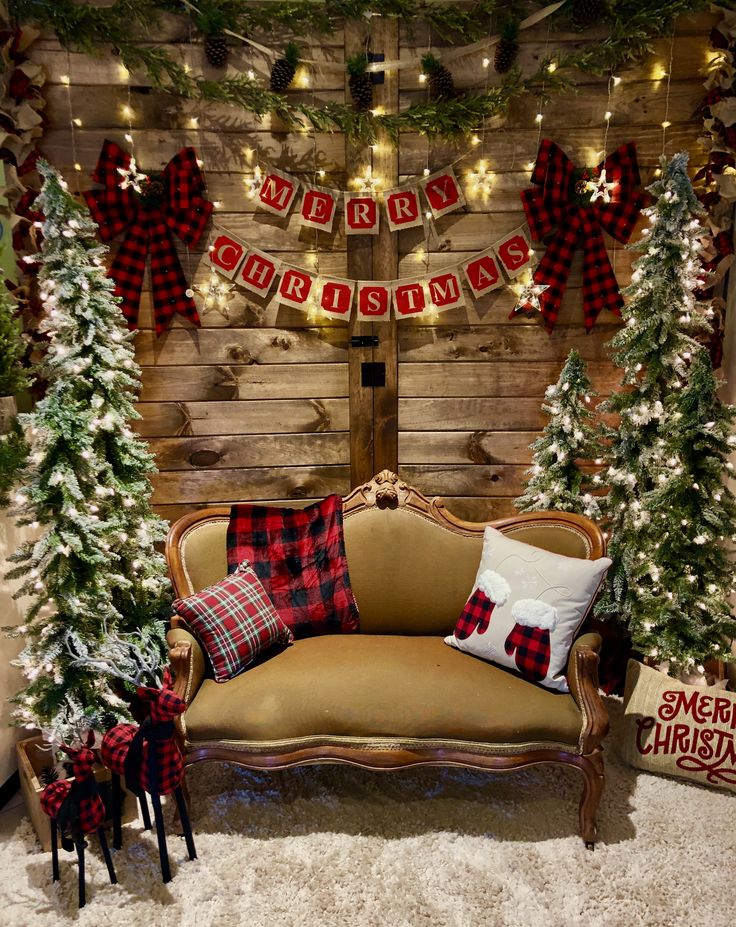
[(130, 176), (601, 188), (527, 293)]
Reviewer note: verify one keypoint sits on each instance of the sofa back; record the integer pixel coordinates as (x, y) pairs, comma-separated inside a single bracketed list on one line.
[(412, 563)]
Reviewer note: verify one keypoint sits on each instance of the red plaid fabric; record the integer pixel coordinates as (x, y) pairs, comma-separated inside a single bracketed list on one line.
[(533, 649), (235, 621), (299, 556), (548, 206), (158, 765), (76, 803), (476, 615), (183, 211)]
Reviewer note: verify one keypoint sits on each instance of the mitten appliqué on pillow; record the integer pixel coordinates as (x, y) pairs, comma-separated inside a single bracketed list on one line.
[(529, 637), (525, 608), (491, 589)]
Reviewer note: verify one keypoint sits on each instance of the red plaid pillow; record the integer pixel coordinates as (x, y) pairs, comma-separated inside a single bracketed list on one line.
[(299, 556), (235, 620)]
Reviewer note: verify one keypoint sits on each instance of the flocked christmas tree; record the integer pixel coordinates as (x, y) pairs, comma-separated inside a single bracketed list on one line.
[(556, 480), (86, 491), (649, 536), (685, 614)]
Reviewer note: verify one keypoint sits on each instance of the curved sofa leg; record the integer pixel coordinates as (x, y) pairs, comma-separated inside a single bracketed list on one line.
[(591, 766)]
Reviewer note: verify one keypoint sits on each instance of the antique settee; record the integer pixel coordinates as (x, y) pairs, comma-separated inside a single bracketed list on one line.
[(394, 695)]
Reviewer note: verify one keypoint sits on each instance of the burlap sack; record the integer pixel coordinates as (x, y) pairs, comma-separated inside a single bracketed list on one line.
[(679, 730)]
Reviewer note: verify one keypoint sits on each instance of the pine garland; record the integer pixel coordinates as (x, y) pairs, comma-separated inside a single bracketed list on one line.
[(90, 29)]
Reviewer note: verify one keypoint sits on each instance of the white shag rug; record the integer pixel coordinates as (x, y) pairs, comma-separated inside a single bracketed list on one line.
[(332, 846)]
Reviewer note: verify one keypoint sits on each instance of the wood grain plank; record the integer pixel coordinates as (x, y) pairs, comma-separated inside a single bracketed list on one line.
[(502, 378), (267, 450), (176, 510), (470, 414), (470, 480), (281, 416), (257, 483), (480, 508), (272, 381), (490, 343), (242, 346), (464, 447)]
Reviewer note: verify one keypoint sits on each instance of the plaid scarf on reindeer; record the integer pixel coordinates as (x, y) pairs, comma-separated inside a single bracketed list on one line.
[(299, 556)]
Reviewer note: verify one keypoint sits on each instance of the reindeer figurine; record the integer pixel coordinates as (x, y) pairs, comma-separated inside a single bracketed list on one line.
[(75, 809), (147, 755)]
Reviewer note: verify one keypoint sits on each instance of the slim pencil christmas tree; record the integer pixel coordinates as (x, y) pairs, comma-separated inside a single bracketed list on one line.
[(685, 615), (556, 480), (655, 350), (86, 489)]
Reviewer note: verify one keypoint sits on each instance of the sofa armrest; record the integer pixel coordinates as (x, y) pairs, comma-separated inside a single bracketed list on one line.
[(582, 677), (187, 663)]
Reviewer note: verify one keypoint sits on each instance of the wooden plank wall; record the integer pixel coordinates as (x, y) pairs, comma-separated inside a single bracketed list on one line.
[(256, 405), (470, 389)]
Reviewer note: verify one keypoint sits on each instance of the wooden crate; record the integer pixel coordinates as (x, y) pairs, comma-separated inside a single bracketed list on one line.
[(31, 760)]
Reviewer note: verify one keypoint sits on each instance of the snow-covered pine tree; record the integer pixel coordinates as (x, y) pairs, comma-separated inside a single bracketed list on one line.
[(684, 616), (555, 478), (86, 487), (662, 316)]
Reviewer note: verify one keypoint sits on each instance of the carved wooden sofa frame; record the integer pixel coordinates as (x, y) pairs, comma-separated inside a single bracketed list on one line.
[(386, 490)]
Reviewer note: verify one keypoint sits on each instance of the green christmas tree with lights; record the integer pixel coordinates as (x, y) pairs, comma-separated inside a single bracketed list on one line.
[(92, 567), (660, 524), (556, 480)]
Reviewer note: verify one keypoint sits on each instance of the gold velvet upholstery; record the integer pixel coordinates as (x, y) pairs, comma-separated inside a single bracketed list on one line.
[(409, 575), (204, 554), (380, 686)]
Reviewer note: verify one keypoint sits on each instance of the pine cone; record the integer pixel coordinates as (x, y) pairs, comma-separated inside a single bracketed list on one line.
[(585, 13), (284, 69), (360, 83), (507, 48), (441, 84), (216, 51)]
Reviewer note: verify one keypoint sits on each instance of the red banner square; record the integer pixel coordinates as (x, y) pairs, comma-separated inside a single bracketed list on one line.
[(226, 254), (277, 193), (482, 273), (361, 214), (409, 299), (443, 192), (374, 301), (258, 272), (514, 254), (446, 291), (402, 209), (318, 209), (295, 287)]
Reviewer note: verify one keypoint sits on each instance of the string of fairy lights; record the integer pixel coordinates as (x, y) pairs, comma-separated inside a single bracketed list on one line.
[(216, 292)]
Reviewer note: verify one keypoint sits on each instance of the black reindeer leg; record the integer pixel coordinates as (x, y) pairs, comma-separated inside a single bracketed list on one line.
[(80, 845), (185, 822), (54, 851), (106, 854), (117, 811), (145, 813), (163, 852)]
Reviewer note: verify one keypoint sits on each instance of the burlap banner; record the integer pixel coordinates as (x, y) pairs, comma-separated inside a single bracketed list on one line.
[(411, 297)]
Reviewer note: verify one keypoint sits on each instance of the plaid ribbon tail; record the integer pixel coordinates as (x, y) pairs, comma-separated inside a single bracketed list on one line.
[(168, 283), (128, 268), (600, 288), (554, 268)]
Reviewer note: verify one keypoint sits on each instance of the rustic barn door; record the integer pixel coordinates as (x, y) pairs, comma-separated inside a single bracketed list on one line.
[(373, 352)]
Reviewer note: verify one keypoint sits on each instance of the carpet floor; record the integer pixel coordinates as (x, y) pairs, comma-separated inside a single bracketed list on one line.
[(333, 846)]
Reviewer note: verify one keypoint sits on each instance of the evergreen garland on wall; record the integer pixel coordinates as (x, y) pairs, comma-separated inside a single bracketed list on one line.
[(83, 27)]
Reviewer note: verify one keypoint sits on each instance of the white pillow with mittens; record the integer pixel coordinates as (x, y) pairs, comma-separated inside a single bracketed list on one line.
[(526, 607)]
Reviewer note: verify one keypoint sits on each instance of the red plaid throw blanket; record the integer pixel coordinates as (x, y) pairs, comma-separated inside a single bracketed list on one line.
[(299, 556)]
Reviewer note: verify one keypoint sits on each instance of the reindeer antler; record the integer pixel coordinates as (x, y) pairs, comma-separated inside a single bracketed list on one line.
[(134, 659)]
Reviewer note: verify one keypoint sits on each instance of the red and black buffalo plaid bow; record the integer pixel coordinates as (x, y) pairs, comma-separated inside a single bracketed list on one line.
[(171, 202), (559, 201)]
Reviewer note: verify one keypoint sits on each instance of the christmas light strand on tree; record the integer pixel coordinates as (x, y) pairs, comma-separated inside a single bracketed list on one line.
[(655, 349), (686, 618), (556, 480), (86, 487)]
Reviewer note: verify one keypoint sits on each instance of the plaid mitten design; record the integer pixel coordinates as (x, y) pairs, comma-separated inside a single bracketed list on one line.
[(529, 639), (490, 590)]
